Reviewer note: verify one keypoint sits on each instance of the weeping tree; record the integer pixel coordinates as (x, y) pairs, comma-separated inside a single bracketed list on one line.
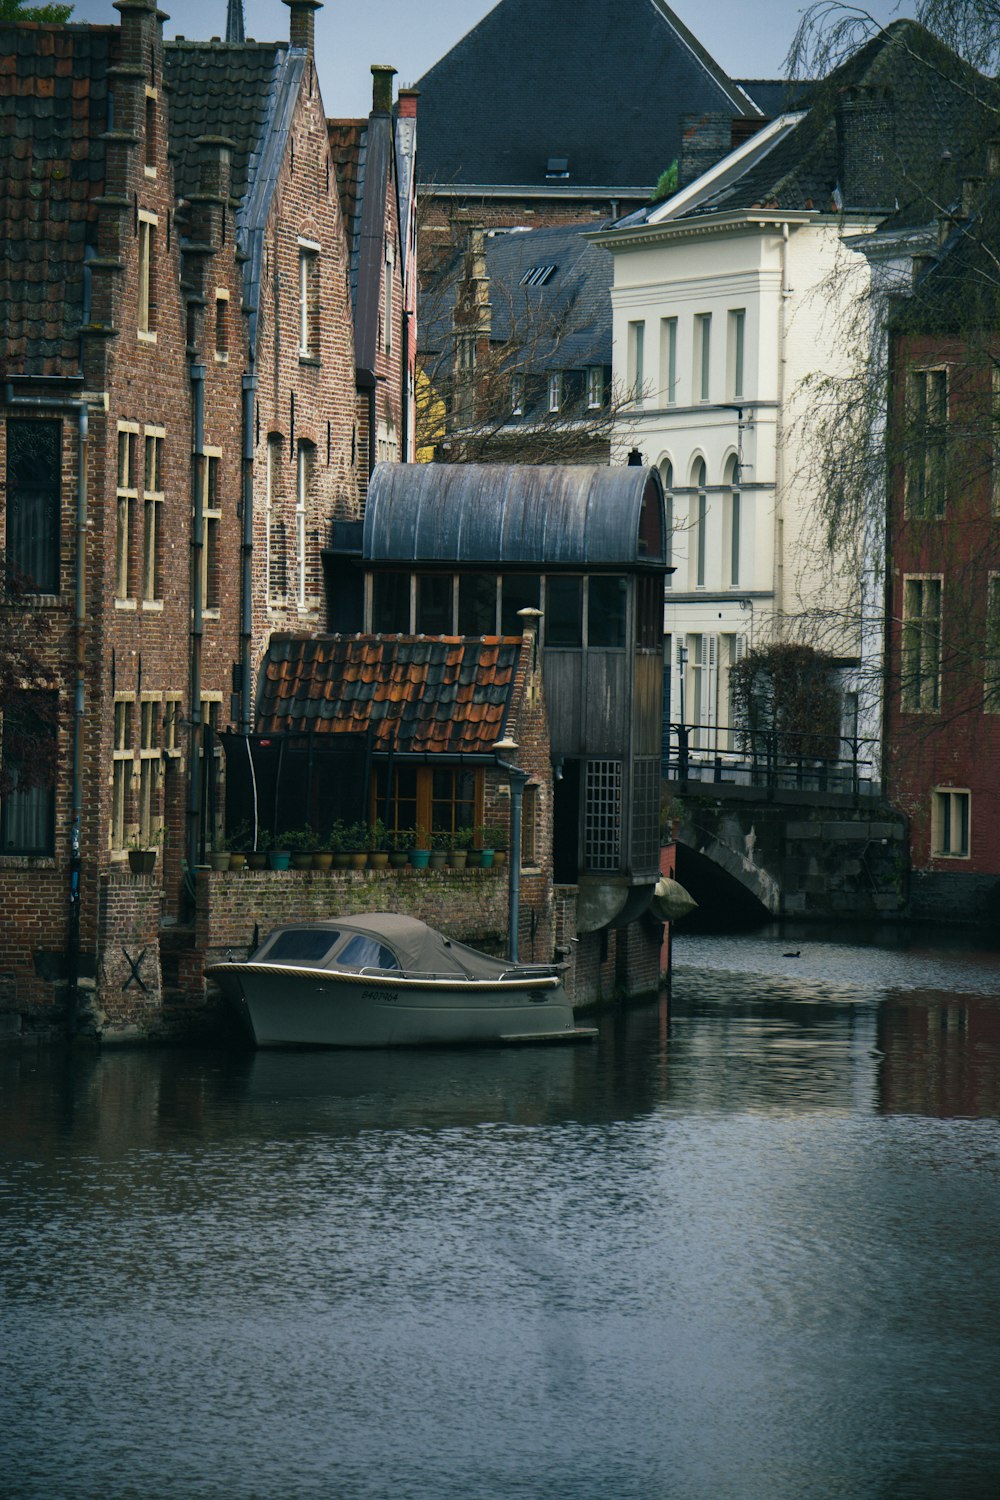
[(787, 694)]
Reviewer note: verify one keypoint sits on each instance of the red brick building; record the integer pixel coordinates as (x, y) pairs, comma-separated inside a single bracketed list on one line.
[(943, 584), (178, 435)]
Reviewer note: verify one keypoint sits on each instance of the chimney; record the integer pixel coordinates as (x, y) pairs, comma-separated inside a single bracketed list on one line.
[(972, 192), (382, 76), (235, 33), (705, 139), (302, 23), (919, 263), (866, 138), (406, 105)]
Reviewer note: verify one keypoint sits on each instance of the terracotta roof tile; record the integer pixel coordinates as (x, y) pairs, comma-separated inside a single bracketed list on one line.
[(442, 693)]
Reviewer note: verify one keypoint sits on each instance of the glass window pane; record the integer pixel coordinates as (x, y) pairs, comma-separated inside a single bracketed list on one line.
[(477, 604), (606, 611), (564, 610), (434, 604), (306, 946), (33, 478), (517, 591), (391, 603)]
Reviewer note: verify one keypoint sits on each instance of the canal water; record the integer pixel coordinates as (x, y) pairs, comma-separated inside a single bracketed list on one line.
[(748, 1251)]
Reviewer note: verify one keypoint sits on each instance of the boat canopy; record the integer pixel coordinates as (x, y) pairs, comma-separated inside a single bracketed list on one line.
[(419, 948)]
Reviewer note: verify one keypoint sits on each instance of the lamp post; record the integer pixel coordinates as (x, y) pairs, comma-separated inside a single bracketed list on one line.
[(517, 779)]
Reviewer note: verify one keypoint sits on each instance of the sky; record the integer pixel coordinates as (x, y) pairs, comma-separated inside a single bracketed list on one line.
[(747, 40)]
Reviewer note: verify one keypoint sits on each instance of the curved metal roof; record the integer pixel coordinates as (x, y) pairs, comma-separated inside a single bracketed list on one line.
[(578, 515)]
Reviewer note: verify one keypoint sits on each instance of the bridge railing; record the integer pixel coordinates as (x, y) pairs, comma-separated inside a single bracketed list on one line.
[(771, 760)]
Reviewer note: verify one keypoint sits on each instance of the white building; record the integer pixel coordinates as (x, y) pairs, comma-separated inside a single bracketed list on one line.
[(733, 303)]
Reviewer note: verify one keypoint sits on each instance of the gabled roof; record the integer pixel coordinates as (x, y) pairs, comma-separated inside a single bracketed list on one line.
[(221, 89), (565, 313), (921, 99), (446, 694), (603, 85), (958, 292), (53, 112)]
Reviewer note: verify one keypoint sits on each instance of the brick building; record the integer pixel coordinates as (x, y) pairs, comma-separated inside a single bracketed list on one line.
[(942, 716), (177, 435), (375, 160)]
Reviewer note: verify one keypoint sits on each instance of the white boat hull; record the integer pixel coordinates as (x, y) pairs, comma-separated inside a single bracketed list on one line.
[(286, 1006)]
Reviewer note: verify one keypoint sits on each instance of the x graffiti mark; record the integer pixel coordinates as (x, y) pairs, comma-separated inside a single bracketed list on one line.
[(135, 965)]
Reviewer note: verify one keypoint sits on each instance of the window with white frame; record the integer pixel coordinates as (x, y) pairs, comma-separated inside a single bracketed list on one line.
[(735, 352), (950, 819), (667, 476), (516, 395), (308, 299), (927, 443), (699, 522), (274, 564), (668, 359), (147, 276), (221, 325), (127, 493), (595, 387), (733, 523), (920, 684), (387, 298), (152, 513), (121, 771), (636, 360), (150, 819), (303, 486), (211, 581), (702, 356), (555, 390)]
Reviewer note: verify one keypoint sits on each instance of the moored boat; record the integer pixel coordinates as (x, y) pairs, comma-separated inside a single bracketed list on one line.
[(385, 980)]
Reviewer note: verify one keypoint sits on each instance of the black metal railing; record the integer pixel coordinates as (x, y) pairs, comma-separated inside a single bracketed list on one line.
[(772, 760)]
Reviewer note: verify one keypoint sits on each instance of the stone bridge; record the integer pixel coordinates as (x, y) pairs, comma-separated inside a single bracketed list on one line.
[(749, 855)]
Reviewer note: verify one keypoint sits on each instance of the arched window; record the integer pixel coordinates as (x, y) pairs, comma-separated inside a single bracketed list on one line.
[(733, 525), (667, 476), (699, 521)]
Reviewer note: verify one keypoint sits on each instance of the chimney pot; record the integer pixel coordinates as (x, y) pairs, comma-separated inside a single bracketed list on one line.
[(407, 103)]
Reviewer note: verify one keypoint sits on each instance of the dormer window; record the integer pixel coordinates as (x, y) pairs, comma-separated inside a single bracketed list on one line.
[(555, 390), (557, 168), (538, 275)]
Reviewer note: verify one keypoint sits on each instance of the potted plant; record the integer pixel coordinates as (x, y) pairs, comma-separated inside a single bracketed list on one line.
[(279, 854), (420, 851), (336, 842), (142, 851), (459, 843), (378, 845), (235, 845), (257, 858), (483, 847), (356, 844), (495, 838), (439, 851), (300, 843), (400, 845)]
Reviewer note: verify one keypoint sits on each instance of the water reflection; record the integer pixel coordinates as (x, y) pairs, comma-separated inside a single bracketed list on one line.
[(743, 1252)]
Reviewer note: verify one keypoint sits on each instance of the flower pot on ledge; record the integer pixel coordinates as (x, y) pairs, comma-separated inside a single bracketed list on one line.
[(142, 861)]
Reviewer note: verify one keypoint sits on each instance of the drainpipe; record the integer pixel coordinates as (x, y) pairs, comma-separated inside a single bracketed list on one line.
[(80, 407), (372, 429), (779, 455), (197, 377), (246, 558), (404, 404), (517, 778)]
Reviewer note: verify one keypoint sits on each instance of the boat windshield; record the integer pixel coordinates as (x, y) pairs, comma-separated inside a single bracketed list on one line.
[(367, 953), (305, 945)]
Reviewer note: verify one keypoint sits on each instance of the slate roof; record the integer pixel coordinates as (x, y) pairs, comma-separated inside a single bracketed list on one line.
[(958, 291), (53, 110), (604, 85), (348, 147), (574, 302), (776, 96), (938, 103), (415, 694), (218, 89)]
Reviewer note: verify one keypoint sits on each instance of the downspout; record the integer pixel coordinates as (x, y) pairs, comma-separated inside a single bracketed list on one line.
[(779, 454), (197, 377), (372, 428), (246, 559), (518, 780), (405, 388), (79, 706)]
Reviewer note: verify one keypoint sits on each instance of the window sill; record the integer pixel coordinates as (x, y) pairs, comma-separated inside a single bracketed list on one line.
[(221, 359), (154, 606), (313, 361), (146, 337), (125, 604), (210, 614), (27, 862), (38, 601)]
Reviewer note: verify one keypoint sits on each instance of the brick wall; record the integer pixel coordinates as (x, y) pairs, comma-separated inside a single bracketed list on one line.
[(127, 998)]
